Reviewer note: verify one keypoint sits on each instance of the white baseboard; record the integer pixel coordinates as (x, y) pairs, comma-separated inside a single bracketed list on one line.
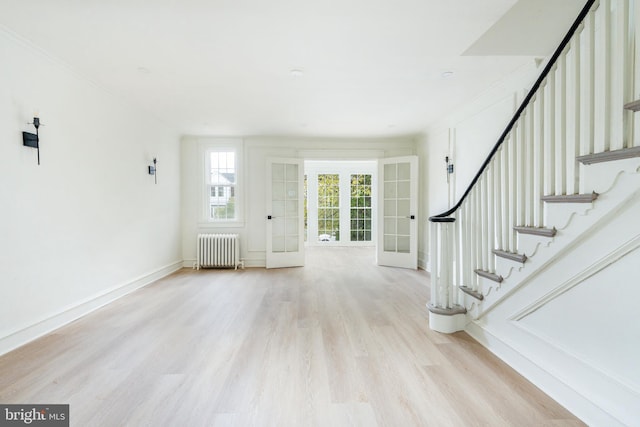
[(568, 397), (82, 308), (255, 262)]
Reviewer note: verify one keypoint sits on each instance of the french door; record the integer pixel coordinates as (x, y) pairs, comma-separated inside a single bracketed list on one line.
[(397, 212), (285, 213)]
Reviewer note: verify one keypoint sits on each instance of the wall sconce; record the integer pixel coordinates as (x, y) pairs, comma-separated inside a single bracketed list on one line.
[(152, 169), (449, 167), (31, 139)]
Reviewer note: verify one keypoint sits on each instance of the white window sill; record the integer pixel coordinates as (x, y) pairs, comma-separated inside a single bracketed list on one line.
[(221, 224)]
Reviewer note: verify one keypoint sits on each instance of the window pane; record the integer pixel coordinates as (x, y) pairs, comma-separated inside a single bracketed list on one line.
[(328, 207), (360, 207), (222, 191)]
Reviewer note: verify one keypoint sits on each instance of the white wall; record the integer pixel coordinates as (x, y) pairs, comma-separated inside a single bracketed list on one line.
[(89, 223), (255, 151)]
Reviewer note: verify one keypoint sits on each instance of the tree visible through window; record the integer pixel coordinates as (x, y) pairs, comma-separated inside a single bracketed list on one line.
[(222, 185), (360, 208), (328, 207)]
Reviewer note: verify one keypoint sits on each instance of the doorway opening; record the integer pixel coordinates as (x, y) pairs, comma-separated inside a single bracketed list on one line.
[(340, 205)]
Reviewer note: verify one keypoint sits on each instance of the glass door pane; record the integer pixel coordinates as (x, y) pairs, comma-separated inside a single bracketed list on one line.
[(397, 241), (285, 226), (328, 207), (360, 208)]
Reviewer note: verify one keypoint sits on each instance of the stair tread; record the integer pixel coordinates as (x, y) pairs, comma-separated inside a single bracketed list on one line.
[(608, 156), (633, 106), (513, 256), (571, 198), (477, 295), (489, 275), (536, 231), (456, 309)]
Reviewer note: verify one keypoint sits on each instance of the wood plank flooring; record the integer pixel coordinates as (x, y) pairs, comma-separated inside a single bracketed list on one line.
[(340, 342)]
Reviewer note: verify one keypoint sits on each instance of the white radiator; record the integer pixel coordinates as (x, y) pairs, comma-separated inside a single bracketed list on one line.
[(218, 250)]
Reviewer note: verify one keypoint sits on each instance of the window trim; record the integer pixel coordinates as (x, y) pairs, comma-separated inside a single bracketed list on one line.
[(226, 145)]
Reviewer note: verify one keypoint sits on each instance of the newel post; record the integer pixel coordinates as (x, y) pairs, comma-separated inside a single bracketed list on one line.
[(445, 315)]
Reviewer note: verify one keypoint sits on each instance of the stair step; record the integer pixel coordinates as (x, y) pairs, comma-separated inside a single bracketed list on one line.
[(469, 291), (536, 231), (488, 275), (510, 255), (608, 156), (633, 106), (456, 309), (571, 198)]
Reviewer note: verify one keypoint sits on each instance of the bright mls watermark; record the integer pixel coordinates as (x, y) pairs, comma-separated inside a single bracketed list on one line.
[(34, 415)]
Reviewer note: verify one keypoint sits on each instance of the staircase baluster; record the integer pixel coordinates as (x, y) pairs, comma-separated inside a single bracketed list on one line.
[(573, 129), (603, 141), (497, 200), (635, 72), (484, 204), (625, 37), (505, 196), (529, 166), (468, 268), (513, 190), (561, 125), (445, 262), (549, 135), (434, 258), (617, 85), (490, 243), (538, 155), (478, 229), (587, 117), (455, 260), (473, 224), (521, 172)]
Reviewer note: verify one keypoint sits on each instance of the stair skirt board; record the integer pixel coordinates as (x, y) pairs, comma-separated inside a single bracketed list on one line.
[(571, 198), (471, 292), (608, 156), (488, 275), (510, 255), (537, 231)]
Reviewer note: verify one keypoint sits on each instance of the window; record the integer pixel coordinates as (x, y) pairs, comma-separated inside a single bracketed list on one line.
[(221, 183), (328, 207), (360, 208)]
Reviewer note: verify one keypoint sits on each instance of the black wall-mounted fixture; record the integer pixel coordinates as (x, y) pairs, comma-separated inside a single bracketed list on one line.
[(32, 139), (152, 169), (449, 167)]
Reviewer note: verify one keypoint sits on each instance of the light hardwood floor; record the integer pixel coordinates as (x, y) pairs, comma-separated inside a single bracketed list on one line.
[(338, 342)]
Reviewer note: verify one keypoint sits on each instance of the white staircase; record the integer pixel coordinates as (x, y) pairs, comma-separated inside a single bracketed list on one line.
[(550, 227)]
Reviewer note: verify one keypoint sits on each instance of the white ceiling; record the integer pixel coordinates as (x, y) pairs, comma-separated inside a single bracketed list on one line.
[(222, 67)]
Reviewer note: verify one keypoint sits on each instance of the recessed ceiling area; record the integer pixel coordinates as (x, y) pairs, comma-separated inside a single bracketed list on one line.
[(350, 68)]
